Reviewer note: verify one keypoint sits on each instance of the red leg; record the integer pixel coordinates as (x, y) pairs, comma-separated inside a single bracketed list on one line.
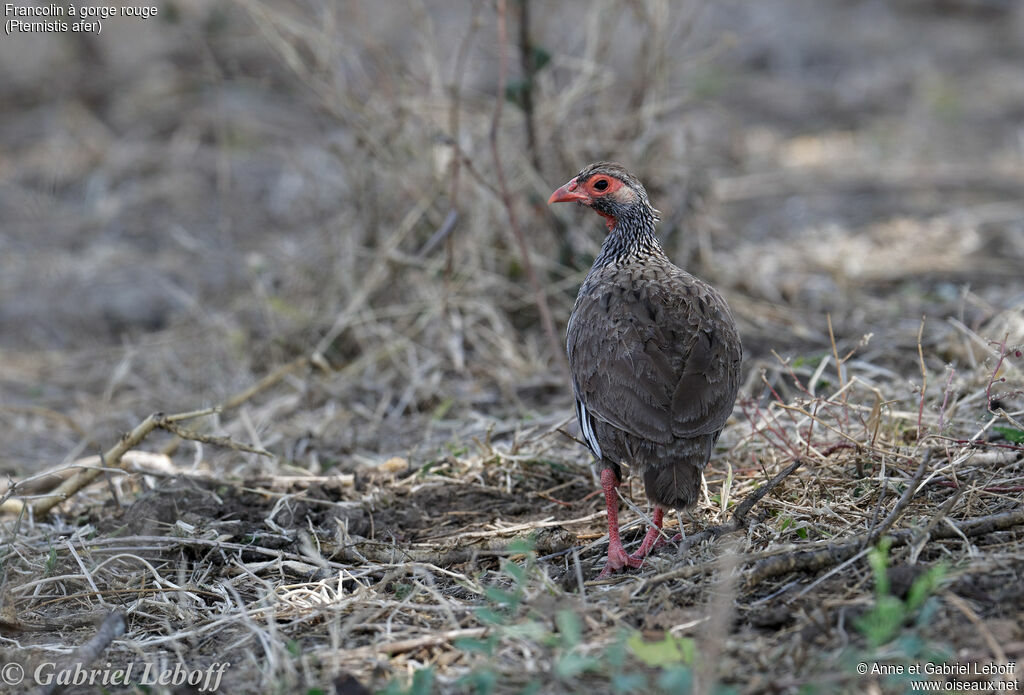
[(653, 538), (617, 555)]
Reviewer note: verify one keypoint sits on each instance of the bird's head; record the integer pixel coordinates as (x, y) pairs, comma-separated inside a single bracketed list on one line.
[(610, 191)]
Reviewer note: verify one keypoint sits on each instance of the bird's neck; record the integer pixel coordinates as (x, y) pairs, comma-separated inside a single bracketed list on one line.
[(631, 236)]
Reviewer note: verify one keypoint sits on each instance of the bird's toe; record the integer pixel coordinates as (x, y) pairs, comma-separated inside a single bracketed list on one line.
[(618, 558)]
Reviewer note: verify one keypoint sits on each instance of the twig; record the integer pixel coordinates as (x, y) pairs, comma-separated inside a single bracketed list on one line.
[(995, 374), (226, 442), (570, 435), (835, 351), (539, 297), (757, 495), (945, 400), (110, 629), (112, 457), (908, 494), (924, 379), (529, 67), (813, 560), (409, 645), (265, 383)]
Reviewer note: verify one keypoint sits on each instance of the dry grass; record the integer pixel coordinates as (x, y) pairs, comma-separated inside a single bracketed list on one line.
[(479, 565), (305, 224)]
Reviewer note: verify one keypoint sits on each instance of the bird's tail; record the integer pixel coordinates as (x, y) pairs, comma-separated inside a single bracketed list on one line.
[(675, 486)]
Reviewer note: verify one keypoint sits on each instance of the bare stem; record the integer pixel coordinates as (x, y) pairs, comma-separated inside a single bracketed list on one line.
[(506, 198)]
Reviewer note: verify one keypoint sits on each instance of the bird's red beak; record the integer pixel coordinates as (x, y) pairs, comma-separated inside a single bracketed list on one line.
[(568, 193)]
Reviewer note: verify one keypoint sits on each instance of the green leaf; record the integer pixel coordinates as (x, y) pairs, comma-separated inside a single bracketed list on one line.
[(392, 688), (540, 58), (442, 408), (615, 655), (677, 679), (422, 682), (628, 682), (878, 558), (515, 92), (927, 612), (490, 616), (501, 597), (910, 645), (671, 650), (483, 680), (924, 586), (571, 665), (516, 572), (522, 546), (531, 688), (1010, 434), (477, 646), (528, 630), (569, 628), (881, 623)]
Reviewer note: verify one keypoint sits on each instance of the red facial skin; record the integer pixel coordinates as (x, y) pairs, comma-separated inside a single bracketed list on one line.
[(585, 193)]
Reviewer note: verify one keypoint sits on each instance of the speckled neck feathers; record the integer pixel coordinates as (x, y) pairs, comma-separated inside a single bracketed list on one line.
[(632, 224), (632, 238)]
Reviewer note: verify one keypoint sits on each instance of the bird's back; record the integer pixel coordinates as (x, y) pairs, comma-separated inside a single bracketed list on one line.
[(655, 360)]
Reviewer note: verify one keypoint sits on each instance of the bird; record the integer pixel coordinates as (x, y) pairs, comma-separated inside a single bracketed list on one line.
[(654, 358)]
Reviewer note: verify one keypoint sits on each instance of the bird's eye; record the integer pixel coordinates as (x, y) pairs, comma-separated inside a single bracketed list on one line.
[(601, 185)]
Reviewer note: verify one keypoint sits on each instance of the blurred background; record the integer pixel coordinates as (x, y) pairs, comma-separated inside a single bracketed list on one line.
[(190, 201)]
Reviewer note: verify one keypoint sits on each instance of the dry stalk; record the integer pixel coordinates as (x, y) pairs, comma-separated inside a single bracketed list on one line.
[(112, 457), (112, 627), (908, 494), (813, 560), (524, 251)]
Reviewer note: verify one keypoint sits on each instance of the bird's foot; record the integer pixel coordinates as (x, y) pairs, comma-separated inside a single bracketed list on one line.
[(652, 540), (617, 559)]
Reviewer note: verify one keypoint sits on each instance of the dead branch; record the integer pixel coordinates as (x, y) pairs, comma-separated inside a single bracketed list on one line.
[(814, 560), (110, 629), (538, 291), (112, 458), (740, 514), (225, 442), (908, 494), (266, 382), (409, 645)]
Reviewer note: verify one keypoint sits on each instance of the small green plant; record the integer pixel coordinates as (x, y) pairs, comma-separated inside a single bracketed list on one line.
[(1011, 434), (629, 664), (422, 684), (788, 521), (811, 361), (51, 562), (885, 620)]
